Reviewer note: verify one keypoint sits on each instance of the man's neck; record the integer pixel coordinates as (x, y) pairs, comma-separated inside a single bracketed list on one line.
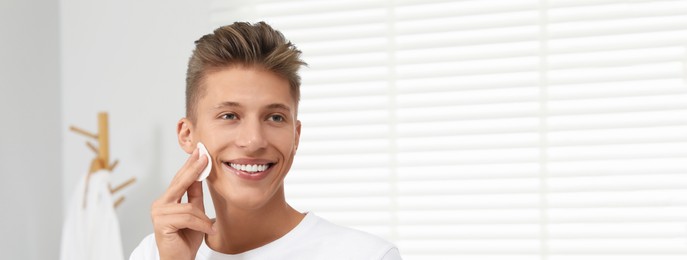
[(240, 230)]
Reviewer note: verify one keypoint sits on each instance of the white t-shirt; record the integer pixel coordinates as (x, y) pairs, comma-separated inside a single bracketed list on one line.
[(313, 238)]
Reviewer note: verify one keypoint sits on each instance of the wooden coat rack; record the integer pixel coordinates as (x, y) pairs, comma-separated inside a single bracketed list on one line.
[(102, 158)]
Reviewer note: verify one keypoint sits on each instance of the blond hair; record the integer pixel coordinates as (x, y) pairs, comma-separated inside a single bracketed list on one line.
[(242, 44)]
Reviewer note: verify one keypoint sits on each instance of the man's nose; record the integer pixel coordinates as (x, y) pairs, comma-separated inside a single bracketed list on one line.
[(250, 135)]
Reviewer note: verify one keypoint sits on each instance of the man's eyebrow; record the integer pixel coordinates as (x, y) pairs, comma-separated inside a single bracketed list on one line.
[(228, 104), (279, 106), (270, 106)]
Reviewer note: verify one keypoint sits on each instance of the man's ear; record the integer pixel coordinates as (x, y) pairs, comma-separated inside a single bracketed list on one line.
[(185, 135), (298, 133)]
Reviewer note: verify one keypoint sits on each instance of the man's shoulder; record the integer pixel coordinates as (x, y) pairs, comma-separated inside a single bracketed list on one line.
[(323, 228), (339, 239)]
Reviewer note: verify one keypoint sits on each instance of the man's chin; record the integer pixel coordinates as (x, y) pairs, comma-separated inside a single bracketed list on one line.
[(246, 198)]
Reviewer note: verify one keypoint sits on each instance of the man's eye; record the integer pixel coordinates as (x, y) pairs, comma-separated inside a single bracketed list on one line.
[(276, 118), (228, 116)]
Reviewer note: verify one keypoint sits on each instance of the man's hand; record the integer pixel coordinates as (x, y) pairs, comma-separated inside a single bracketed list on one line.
[(180, 227)]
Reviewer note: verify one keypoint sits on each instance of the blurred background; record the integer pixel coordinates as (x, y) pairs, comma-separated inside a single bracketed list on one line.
[(473, 129)]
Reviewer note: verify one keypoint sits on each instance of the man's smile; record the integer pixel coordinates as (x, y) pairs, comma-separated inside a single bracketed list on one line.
[(251, 169)]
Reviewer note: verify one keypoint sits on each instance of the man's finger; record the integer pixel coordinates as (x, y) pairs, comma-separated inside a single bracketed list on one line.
[(190, 221), (174, 209), (195, 195), (175, 191), (186, 176)]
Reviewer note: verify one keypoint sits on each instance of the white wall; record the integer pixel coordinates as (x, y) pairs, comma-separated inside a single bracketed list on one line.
[(30, 130), (128, 58)]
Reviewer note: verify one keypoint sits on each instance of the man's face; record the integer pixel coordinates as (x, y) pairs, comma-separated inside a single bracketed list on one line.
[(247, 121)]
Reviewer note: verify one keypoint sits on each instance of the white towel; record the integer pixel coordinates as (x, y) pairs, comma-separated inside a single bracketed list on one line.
[(91, 232)]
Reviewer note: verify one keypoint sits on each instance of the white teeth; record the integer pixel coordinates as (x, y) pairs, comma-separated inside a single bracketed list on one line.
[(249, 167)]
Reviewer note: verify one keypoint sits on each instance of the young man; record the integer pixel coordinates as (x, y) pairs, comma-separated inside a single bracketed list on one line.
[(242, 93)]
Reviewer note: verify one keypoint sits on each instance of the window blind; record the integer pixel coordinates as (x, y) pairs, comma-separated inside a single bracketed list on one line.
[(509, 129)]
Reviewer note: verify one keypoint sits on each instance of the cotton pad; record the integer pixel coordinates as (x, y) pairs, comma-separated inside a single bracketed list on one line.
[(206, 171)]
